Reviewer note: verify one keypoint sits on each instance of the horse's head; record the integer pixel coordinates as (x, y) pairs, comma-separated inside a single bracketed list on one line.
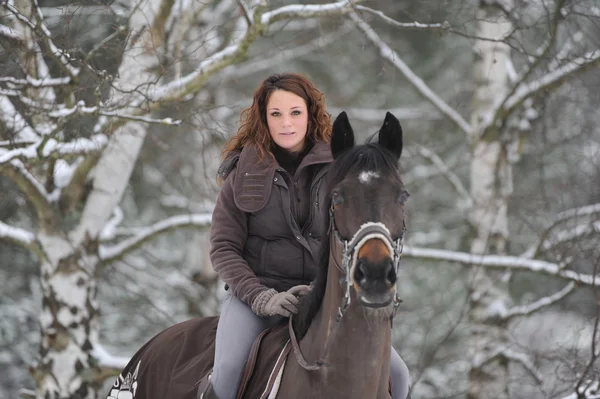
[(367, 210)]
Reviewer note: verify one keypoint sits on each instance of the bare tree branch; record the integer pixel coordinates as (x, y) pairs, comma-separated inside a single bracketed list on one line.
[(389, 54), (34, 190), (445, 170)]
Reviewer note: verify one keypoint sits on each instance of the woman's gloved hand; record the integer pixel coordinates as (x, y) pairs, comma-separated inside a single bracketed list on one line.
[(271, 302)]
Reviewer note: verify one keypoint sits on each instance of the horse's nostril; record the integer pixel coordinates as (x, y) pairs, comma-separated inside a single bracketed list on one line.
[(391, 274), (359, 274)]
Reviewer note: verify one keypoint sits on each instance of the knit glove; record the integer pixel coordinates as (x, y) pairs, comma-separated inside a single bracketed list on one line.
[(271, 302), (300, 290)]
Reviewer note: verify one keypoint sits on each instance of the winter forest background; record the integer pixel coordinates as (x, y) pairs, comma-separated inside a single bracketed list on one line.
[(112, 116)]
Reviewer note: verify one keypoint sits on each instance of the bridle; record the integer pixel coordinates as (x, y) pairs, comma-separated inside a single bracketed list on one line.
[(351, 248), (349, 253)]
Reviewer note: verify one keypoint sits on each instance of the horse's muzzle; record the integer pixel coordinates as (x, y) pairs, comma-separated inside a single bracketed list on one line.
[(374, 282)]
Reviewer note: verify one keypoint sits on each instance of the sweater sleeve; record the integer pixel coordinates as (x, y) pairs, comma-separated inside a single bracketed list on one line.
[(228, 235)]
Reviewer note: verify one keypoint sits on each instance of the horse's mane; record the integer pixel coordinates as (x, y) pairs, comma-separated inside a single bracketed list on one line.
[(370, 156)]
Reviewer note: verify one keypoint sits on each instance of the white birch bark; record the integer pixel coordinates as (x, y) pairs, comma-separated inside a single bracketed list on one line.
[(69, 318), (490, 184)]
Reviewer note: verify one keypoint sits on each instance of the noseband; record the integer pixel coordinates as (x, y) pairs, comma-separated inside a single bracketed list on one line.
[(349, 253)]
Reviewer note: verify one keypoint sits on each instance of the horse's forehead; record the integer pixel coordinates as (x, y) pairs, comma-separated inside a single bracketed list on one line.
[(368, 176)]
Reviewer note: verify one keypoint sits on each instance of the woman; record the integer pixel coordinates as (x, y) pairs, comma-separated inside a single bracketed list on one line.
[(265, 228)]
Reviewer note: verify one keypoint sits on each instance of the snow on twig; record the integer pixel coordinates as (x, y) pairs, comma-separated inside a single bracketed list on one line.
[(389, 54)]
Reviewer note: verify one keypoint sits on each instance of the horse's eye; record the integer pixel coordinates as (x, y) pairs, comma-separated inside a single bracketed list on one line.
[(336, 198), (403, 196)]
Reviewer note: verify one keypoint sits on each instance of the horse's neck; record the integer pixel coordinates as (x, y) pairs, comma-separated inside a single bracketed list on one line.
[(359, 348)]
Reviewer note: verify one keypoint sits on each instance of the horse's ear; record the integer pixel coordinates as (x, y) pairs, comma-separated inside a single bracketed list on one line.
[(342, 136), (390, 134)]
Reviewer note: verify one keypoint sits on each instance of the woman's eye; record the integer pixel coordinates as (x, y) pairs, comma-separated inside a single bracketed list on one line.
[(296, 113), (274, 113)]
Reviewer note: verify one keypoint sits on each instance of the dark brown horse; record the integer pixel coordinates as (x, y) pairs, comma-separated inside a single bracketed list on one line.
[(338, 345)]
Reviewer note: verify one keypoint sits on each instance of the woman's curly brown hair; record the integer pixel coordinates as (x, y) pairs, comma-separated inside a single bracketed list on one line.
[(253, 120)]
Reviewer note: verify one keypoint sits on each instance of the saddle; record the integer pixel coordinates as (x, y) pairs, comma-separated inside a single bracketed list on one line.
[(263, 367)]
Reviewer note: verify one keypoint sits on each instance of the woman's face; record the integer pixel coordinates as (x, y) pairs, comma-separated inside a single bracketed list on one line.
[(287, 119)]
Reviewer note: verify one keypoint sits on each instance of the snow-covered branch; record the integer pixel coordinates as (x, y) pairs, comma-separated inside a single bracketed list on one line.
[(82, 109), (502, 262), (589, 390), (18, 236), (508, 354), (525, 361), (192, 82), (577, 212), (544, 243), (295, 11), (37, 83), (14, 121), (550, 80), (41, 29), (445, 170), (9, 33), (541, 303), (389, 54), (112, 253), (51, 147), (404, 25), (281, 55)]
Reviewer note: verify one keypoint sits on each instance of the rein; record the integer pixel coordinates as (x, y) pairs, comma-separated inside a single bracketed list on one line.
[(350, 251)]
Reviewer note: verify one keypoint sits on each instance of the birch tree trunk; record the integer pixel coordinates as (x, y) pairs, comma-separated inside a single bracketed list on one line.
[(490, 185), (69, 318)]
